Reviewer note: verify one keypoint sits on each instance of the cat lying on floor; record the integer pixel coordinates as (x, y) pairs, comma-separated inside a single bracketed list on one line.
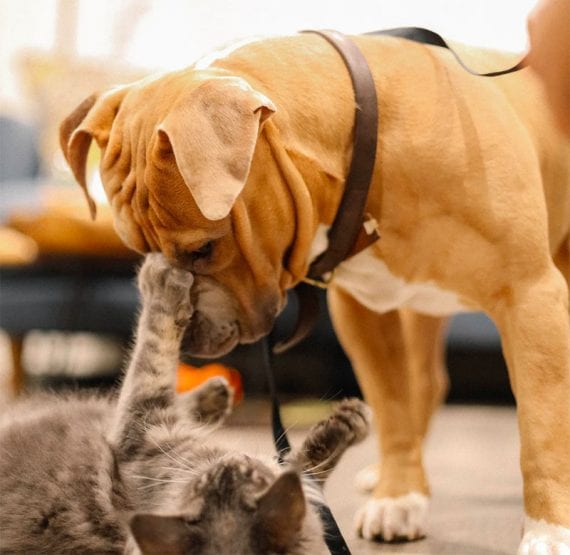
[(92, 475)]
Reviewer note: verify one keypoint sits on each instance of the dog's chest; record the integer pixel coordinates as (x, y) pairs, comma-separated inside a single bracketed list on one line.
[(369, 280)]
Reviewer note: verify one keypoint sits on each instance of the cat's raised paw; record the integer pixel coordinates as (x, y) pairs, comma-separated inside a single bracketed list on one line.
[(159, 281), (214, 400), (355, 415)]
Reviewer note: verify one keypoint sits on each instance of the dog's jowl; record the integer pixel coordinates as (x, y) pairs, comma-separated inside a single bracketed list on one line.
[(230, 170)]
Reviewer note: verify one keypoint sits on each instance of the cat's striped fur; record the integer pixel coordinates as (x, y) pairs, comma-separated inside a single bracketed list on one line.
[(93, 475)]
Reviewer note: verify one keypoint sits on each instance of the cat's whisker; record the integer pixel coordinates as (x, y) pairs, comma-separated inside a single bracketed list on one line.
[(329, 398), (159, 479), (182, 464), (286, 431), (152, 487), (318, 473), (188, 468), (329, 460), (315, 468), (180, 470)]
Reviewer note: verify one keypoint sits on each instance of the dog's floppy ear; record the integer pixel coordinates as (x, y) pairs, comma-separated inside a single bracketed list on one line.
[(91, 119), (213, 133)]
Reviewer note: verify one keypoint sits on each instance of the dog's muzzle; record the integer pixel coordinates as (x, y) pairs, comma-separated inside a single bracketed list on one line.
[(219, 323), (206, 338)]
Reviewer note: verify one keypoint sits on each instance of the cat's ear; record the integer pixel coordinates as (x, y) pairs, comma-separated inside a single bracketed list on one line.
[(157, 535), (280, 512)]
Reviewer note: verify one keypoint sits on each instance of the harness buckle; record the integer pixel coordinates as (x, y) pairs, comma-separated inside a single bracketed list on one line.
[(322, 283)]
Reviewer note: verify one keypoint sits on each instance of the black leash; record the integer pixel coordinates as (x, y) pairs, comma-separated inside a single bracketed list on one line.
[(425, 36), (333, 536), (280, 439)]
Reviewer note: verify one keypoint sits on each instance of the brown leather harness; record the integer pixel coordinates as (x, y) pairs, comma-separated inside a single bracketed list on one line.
[(351, 231)]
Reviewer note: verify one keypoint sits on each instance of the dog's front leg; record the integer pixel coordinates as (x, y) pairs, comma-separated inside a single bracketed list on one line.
[(535, 329), (425, 349), (375, 344)]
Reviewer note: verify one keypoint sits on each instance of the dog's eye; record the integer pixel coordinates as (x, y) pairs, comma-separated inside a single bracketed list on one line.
[(202, 253), (205, 251), (196, 259)]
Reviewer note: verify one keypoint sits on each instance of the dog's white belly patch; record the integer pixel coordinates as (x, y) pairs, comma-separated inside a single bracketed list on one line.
[(541, 538), (394, 518), (372, 284)]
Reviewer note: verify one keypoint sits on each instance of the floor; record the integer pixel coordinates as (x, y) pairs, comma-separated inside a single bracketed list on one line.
[(472, 461)]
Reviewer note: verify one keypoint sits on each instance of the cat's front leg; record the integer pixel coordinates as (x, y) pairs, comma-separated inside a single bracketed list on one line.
[(148, 390), (165, 293), (328, 440)]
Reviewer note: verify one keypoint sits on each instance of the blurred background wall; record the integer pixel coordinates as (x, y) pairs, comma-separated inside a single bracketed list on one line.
[(53, 53), (166, 34)]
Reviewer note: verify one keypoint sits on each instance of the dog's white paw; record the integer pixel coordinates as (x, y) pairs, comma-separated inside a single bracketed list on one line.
[(394, 518), (541, 538), (367, 478)]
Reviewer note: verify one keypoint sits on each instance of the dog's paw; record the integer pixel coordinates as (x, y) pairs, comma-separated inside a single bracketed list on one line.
[(541, 538), (393, 518), (367, 478), (165, 287)]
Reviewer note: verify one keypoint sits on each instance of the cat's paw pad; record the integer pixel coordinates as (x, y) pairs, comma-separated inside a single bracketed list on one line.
[(393, 518), (541, 538), (355, 415), (367, 478), (159, 280), (214, 400)]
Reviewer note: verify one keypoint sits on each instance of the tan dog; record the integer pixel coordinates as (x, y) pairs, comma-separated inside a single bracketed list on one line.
[(234, 168)]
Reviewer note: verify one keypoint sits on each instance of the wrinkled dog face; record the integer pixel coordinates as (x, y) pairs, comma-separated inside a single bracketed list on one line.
[(176, 152)]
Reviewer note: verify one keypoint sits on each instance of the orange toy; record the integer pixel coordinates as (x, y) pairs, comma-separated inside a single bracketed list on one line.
[(190, 377)]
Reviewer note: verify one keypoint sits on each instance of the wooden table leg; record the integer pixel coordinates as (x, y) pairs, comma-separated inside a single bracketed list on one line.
[(18, 375)]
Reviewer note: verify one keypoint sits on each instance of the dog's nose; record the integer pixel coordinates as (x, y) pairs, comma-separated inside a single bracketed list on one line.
[(259, 321)]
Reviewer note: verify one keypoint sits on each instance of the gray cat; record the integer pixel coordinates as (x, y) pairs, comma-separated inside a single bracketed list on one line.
[(93, 475)]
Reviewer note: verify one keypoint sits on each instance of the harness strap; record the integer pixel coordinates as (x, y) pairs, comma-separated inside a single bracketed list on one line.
[(349, 218)]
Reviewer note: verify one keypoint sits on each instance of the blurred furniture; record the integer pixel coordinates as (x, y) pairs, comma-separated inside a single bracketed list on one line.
[(81, 276), (69, 294), (82, 280), (19, 157)]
